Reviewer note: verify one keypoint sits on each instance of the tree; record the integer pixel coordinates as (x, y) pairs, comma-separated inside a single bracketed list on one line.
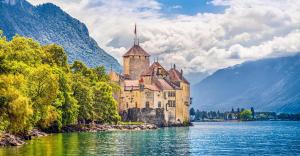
[(38, 89), (105, 106), (245, 115), (101, 74), (55, 55), (192, 111), (198, 115), (15, 108), (253, 113), (83, 93), (43, 88), (69, 107)]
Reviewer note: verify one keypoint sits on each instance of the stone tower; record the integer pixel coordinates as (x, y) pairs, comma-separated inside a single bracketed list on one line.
[(135, 61)]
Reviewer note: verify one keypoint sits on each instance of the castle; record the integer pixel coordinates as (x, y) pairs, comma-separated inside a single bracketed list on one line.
[(150, 93)]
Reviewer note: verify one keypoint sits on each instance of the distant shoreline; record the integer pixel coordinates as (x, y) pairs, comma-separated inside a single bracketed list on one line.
[(240, 120)]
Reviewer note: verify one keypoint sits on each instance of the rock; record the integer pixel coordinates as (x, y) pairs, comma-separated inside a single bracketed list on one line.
[(11, 140), (36, 133)]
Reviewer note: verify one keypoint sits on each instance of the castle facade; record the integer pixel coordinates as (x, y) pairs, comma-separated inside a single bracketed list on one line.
[(150, 93)]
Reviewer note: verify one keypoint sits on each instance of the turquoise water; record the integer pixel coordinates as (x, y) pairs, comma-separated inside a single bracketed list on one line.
[(223, 138)]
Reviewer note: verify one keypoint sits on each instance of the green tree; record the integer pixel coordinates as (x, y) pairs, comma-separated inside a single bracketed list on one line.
[(15, 108), (253, 113), (245, 115), (101, 74), (39, 89), (192, 111), (106, 109), (55, 55), (43, 88), (83, 93), (69, 107)]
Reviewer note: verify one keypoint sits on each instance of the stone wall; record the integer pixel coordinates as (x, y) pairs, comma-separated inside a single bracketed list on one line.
[(147, 115), (137, 64)]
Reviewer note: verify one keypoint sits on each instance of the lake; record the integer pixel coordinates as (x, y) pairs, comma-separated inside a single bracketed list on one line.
[(210, 138)]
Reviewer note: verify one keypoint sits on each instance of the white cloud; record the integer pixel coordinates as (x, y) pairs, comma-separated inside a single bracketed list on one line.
[(247, 30), (176, 7)]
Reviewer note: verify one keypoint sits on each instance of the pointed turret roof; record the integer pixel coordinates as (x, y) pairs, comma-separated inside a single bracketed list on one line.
[(136, 50)]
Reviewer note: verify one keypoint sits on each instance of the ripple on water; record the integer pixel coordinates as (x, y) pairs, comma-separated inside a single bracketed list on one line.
[(229, 138)]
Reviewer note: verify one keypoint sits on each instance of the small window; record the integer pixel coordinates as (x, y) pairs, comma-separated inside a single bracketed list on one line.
[(135, 104), (127, 104), (172, 103), (169, 103), (171, 94), (159, 104), (147, 104)]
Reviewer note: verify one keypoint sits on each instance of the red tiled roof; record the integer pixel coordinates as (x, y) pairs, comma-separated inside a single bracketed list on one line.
[(176, 76), (163, 84), (150, 70), (152, 87), (136, 50), (134, 85)]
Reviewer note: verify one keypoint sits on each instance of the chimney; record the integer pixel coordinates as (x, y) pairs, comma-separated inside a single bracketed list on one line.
[(181, 74)]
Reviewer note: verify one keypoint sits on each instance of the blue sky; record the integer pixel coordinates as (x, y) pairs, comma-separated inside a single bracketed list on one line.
[(189, 7)]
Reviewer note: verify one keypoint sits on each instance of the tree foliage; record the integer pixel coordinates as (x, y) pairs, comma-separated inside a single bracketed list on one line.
[(245, 115), (38, 88), (192, 111)]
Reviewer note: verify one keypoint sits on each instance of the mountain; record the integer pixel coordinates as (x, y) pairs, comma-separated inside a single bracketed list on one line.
[(267, 85), (48, 24)]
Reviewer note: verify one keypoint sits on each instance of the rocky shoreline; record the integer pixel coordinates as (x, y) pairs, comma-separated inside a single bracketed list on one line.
[(7, 139), (100, 128)]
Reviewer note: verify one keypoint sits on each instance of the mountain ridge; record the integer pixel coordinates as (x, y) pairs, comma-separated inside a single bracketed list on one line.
[(48, 23), (267, 85)]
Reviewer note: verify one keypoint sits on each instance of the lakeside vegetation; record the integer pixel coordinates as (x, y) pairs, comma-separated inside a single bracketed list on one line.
[(39, 89), (241, 115)]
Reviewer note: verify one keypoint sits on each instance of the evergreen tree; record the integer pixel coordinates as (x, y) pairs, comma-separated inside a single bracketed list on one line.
[(192, 111), (253, 113)]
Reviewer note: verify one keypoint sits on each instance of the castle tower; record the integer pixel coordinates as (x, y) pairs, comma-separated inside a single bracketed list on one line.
[(136, 60)]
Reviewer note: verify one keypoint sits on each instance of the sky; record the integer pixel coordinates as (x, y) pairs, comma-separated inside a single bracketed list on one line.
[(200, 36)]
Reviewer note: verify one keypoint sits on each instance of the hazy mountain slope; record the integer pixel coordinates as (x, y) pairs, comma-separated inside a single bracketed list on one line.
[(267, 85), (49, 24)]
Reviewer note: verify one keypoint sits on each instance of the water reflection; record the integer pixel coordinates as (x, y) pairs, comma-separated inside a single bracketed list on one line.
[(244, 138), (168, 141)]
